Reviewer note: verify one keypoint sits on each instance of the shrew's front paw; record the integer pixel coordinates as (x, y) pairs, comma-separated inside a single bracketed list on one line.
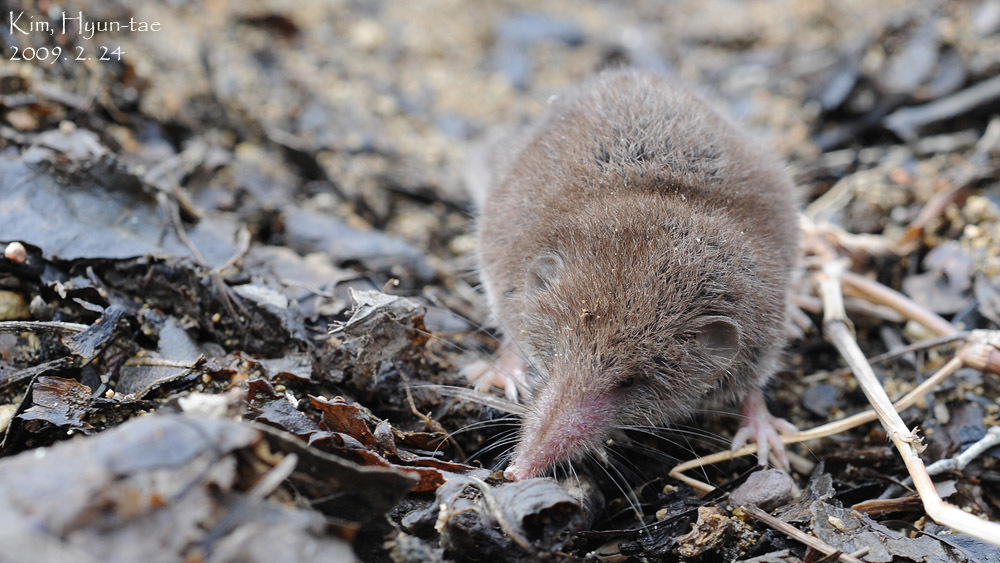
[(764, 428), (506, 373)]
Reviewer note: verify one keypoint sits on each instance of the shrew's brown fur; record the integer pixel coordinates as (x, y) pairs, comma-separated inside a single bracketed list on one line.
[(638, 247)]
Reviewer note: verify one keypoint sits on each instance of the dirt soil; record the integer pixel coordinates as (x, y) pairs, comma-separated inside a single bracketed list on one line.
[(238, 289)]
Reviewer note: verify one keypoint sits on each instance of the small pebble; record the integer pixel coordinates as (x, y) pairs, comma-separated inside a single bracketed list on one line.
[(13, 306), (767, 489), (15, 252)]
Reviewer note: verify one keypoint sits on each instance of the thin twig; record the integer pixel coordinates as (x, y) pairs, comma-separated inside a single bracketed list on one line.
[(873, 245), (174, 212), (273, 478), (498, 514), (907, 443), (780, 555), (42, 326), (933, 209), (162, 362), (429, 422), (982, 351), (822, 431), (861, 552), (957, 463), (882, 295), (242, 247), (893, 354)]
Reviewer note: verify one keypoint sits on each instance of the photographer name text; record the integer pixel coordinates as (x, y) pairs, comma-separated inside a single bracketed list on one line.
[(22, 24)]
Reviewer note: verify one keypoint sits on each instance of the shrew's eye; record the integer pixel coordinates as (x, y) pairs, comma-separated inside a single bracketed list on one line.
[(626, 383)]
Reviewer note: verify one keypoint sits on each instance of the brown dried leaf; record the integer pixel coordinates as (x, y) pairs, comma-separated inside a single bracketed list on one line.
[(338, 416)]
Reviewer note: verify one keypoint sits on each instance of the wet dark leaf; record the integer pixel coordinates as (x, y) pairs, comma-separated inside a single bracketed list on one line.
[(91, 217), (850, 531), (914, 62), (308, 231), (970, 548), (87, 344), (53, 367), (542, 511), (384, 328), (353, 492), (945, 287), (385, 438), (60, 402), (184, 291), (965, 425), (466, 523), (307, 280), (169, 482), (422, 440), (294, 366), (276, 410), (176, 358)]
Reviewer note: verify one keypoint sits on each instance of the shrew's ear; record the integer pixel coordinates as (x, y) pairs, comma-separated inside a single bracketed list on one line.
[(719, 339), (543, 272)]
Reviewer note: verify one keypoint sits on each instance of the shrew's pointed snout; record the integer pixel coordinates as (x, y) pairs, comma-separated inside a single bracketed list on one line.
[(514, 473), (560, 430)]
